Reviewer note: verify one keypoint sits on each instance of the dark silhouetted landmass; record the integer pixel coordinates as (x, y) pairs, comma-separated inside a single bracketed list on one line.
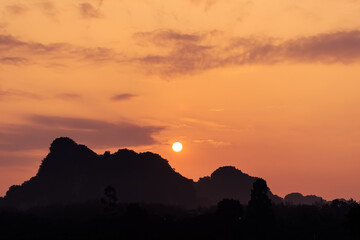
[(78, 194), (72, 173), (299, 199), (228, 219), (227, 182)]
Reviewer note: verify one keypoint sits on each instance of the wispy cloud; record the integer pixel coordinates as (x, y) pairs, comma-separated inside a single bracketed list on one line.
[(20, 158), (176, 53), (192, 53), (40, 130), (89, 11), (169, 37), (338, 47), (123, 97), (207, 3), (11, 93), (6, 94), (13, 60), (69, 96), (212, 142), (48, 7), (187, 53), (17, 52), (16, 9), (203, 122)]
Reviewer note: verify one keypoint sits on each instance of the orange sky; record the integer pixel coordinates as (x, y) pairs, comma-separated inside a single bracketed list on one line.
[(270, 87)]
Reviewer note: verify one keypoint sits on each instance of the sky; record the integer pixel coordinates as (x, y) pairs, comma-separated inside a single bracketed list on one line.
[(270, 87)]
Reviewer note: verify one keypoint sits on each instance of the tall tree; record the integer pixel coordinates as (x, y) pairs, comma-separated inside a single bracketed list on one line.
[(259, 212)]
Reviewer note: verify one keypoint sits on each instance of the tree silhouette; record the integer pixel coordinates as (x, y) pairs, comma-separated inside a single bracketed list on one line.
[(110, 194), (229, 210), (259, 212), (229, 214), (354, 220)]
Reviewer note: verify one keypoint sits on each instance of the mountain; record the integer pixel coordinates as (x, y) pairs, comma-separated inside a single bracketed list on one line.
[(227, 182), (299, 199), (72, 173)]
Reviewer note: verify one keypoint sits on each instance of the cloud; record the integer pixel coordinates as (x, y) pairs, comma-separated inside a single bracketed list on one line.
[(338, 47), (193, 53), (123, 97), (16, 9), (23, 158), (18, 52), (187, 53), (174, 53), (13, 61), (9, 41), (168, 37), (89, 11), (211, 124), (18, 93), (41, 130), (48, 8), (69, 96), (212, 142), (208, 3)]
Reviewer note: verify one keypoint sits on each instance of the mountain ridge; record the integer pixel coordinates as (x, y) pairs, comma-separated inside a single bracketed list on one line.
[(73, 173)]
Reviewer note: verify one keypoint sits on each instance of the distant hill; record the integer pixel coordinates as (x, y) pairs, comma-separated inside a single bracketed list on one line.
[(72, 173), (227, 182), (299, 199)]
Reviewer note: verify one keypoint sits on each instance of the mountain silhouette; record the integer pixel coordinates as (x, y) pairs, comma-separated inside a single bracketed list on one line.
[(299, 199), (72, 173), (227, 182)]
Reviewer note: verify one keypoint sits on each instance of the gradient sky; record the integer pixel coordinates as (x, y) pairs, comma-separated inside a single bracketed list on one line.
[(271, 87)]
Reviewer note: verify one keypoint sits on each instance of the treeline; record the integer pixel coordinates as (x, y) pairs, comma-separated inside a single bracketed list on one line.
[(229, 219)]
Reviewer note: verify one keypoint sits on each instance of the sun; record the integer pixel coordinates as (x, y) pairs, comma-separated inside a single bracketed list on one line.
[(177, 146)]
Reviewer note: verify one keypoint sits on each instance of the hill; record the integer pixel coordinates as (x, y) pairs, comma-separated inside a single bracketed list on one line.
[(299, 199), (72, 173)]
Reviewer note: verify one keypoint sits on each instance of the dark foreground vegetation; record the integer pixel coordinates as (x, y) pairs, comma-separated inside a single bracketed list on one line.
[(259, 219)]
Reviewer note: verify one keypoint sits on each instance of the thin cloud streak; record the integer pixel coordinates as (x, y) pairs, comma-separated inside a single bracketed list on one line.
[(13, 61), (212, 142), (19, 158), (169, 37), (69, 96), (10, 93), (20, 94), (18, 52), (123, 97)]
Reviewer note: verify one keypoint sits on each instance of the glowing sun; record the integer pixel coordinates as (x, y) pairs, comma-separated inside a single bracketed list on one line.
[(177, 146)]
